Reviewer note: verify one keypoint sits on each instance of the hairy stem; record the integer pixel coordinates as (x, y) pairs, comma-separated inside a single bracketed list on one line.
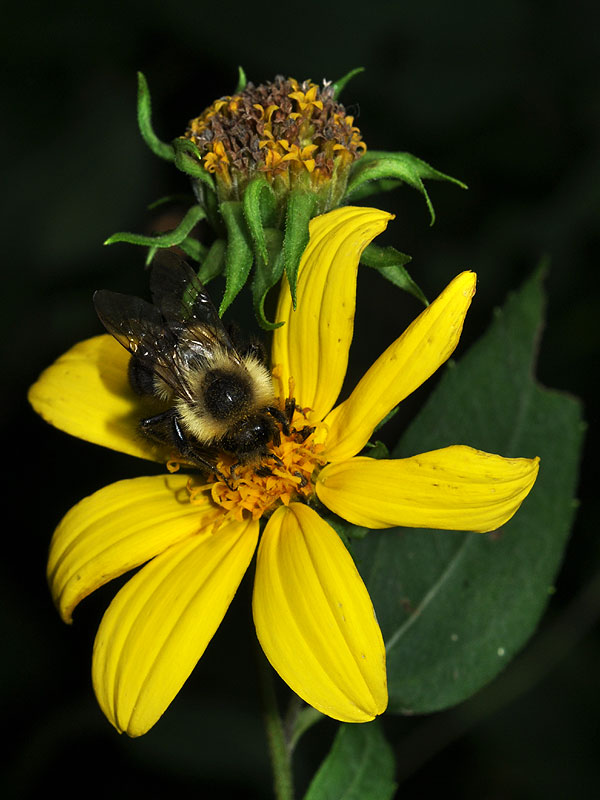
[(279, 751)]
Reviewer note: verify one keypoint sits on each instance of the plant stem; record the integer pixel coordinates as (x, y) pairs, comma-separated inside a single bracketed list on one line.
[(279, 751)]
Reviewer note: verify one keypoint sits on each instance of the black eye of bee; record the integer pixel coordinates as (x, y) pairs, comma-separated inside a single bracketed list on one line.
[(225, 395)]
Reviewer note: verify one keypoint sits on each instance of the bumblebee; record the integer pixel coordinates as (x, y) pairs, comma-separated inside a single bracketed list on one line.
[(220, 396)]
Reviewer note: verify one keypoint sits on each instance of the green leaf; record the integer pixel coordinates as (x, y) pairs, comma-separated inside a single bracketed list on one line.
[(242, 81), (179, 199), (376, 165), (214, 263), (170, 239), (300, 207), (339, 85), (390, 262), (259, 207), (454, 608), (359, 766), (266, 274), (194, 249), (238, 256), (144, 115)]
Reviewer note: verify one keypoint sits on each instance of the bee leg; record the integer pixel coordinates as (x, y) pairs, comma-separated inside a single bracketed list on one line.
[(279, 417), (160, 429), (275, 458), (303, 481), (303, 434), (290, 407), (165, 428), (263, 471)]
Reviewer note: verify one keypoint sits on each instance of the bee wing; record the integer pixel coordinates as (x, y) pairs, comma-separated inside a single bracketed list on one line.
[(140, 328), (187, 309)]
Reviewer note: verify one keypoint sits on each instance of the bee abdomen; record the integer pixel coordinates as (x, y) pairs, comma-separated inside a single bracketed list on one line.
[(226, 394)]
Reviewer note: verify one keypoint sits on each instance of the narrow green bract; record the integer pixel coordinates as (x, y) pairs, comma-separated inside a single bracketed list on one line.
[(238, 254), (144, 115), (379, 166)]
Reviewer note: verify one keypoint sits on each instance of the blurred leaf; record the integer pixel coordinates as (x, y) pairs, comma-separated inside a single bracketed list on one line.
[(454, 608), (379, 166), (359, 766), (214, 263), (242, 81), (338, 86), (194, 248)]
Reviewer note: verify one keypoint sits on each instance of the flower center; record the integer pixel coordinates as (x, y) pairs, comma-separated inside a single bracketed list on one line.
[(284, 130), (251, 490)]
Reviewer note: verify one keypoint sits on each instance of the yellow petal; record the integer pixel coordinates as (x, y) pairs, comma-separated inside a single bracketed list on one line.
[(403, 367), (456, 488), (314, 617), (313, 345), (86, 393), (162, 620), (116, 529)]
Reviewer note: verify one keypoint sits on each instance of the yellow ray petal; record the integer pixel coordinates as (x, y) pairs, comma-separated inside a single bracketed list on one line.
[(86, 393), (161, 621), (313, 344), (403, 367), (314, 617), (456, 488), (116, 529)]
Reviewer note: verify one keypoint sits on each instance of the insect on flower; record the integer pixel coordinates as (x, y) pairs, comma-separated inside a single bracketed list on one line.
[(193, 538), (220, 396)]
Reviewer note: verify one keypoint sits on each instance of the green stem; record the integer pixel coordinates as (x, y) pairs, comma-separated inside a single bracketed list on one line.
[(279, 751)]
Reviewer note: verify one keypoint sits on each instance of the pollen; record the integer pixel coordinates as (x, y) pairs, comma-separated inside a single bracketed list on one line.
[(285, 130), (285, 474)]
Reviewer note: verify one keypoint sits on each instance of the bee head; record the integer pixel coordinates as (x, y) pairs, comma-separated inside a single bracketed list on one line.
[(251, 436)]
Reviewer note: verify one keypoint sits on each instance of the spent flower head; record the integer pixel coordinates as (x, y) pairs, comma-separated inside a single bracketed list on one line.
[(263, 162), (291, 133), (196, 537)]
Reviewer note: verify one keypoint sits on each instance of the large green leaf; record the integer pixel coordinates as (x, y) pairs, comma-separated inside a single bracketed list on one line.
[(455, 608), (359, 766)]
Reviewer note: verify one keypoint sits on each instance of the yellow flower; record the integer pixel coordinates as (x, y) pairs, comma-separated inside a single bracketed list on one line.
[(313, 615)]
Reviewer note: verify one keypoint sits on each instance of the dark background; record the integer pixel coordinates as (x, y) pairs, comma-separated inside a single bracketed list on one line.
[(503, 95)]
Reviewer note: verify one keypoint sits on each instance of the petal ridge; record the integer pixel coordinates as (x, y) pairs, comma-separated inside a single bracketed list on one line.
[(314, 618), (312, 347), (407, 363), (454, 488)]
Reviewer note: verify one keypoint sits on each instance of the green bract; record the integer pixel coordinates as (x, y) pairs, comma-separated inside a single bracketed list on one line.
[(262, 163)]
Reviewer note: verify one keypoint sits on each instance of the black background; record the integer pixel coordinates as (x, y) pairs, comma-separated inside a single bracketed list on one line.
[(503, 95)]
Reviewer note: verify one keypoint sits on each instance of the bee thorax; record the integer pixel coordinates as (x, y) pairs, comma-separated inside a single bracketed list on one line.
[(226, 395)]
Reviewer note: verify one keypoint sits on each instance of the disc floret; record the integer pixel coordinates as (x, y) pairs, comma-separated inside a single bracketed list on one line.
[(285, 474), (285, 130)]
